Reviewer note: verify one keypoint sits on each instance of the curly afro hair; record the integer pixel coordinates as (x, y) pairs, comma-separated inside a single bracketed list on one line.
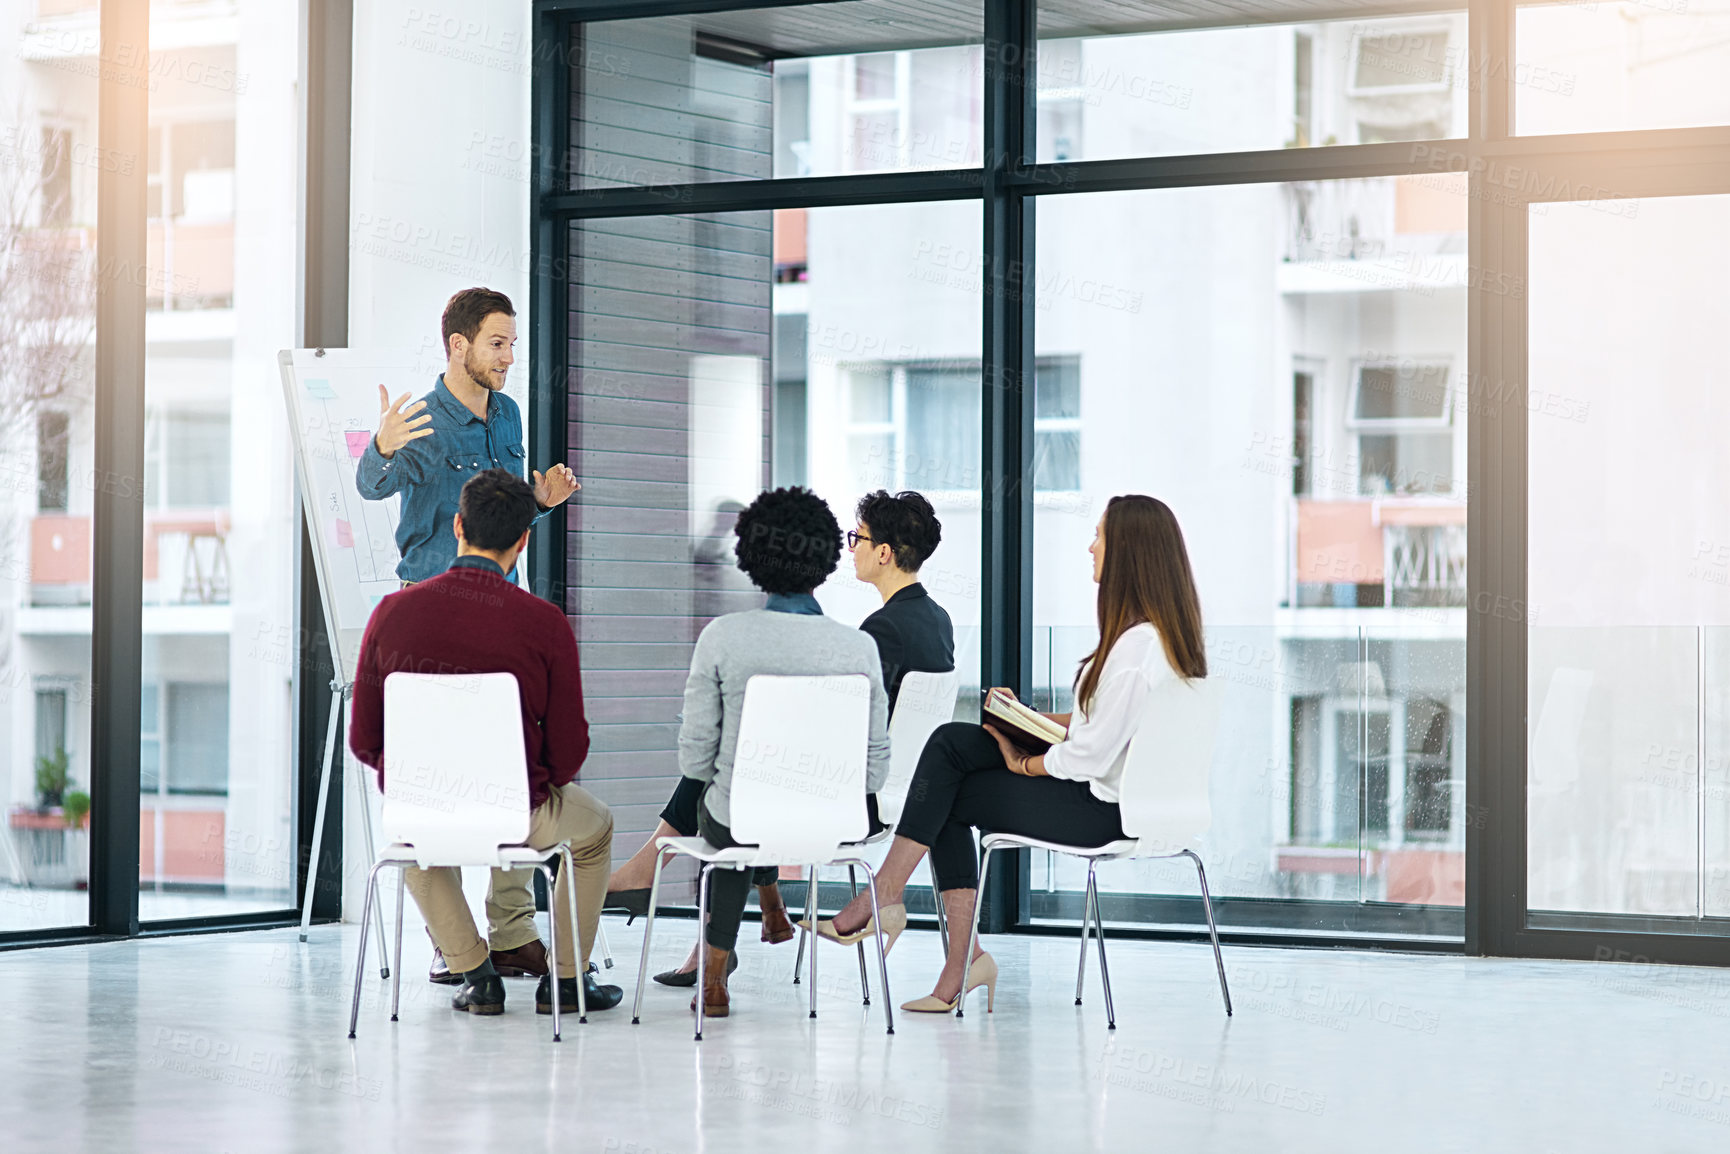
[(789, 541), (905, 522)]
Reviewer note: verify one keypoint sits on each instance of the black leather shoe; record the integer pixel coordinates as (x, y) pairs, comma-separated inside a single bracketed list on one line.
[(633, 902), (481, 996), (441, 973), (685, 979), (599, 997)]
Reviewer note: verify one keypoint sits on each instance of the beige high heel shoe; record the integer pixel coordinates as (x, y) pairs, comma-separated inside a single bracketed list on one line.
[(983, 972), (894, 921)]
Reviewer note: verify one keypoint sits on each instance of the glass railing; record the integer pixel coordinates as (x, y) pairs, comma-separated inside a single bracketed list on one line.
[(1338, 772), (1628, 778)]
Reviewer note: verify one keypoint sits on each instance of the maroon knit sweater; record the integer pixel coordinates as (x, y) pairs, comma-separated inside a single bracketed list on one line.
[(470, 620)]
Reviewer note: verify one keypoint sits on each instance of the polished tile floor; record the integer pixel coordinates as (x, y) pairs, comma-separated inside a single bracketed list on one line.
[(238, 1042)]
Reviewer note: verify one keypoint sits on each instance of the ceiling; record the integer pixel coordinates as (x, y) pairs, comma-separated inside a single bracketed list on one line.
[(881, 25)]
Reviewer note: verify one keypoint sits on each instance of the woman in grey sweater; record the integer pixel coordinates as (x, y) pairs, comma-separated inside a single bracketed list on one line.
[(788, 544)]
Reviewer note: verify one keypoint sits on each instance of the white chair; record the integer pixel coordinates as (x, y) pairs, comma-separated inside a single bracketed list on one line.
[(456, 793), (925, 701), (798, 798), (1165, 807)]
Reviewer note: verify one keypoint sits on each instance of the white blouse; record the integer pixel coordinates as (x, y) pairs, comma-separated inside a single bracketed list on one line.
[(1098, 742)]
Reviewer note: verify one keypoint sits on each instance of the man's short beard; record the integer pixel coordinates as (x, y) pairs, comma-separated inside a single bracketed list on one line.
[(478, 373)]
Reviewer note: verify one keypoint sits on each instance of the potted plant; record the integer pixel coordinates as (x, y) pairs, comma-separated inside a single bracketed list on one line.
[(52, 778), (76, 809)]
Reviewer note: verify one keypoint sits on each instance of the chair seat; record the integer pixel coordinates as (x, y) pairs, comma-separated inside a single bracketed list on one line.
[(742, 856), (1111, 851), (507, 857)]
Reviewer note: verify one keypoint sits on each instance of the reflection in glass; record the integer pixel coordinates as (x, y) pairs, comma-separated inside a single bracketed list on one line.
[(1125, 84)]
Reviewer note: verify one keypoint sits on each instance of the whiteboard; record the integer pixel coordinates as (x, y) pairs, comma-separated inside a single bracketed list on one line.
[(332, 397)]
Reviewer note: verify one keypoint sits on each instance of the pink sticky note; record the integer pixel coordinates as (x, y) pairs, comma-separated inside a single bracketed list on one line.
[(357, 442), (344, 535)]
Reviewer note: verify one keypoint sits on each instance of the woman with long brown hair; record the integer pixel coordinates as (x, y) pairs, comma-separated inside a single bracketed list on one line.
[(972, 776)]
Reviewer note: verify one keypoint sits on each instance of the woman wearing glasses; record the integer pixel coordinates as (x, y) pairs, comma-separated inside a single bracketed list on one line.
[(971, 776), (896, 533)]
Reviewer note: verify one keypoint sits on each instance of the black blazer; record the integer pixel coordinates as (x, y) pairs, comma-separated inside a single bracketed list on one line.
[(913, 635)]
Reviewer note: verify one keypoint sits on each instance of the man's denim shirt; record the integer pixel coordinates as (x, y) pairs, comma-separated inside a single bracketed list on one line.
[(430, 473)]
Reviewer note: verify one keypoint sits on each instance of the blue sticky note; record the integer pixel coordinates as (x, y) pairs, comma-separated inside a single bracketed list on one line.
[(320, 388)]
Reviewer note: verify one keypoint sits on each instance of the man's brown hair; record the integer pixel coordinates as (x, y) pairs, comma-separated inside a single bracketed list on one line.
[(467, 310)]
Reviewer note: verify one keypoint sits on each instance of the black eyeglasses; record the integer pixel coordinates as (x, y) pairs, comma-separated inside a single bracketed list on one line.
[(854, 538)]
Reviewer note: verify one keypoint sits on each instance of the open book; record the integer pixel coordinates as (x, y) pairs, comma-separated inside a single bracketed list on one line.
[(1027, 730)]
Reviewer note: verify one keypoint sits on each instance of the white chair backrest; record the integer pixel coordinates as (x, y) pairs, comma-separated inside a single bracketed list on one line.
[(1164, 796), (926, 701), (456, 781), (798, 787)]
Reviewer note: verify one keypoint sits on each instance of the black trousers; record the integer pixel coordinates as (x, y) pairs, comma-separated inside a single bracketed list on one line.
[(728, 889), (961, 784)]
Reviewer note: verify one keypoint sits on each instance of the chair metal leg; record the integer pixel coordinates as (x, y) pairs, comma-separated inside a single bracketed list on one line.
[(973, 933), (799, 958), (1099, 926), (882, 951), (372, 851), (704, 876), (601, 940), (1081, 966), (396, 977), (360, 956), (811, 902), (942, 916), (566, 864), (648, 934), (553, 955), (1212, 930), (853, 885)]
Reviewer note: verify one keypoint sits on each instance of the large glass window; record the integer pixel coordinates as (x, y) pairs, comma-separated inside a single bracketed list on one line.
[(50, 160), (215, 773), (720, 376), (1135, 83), (1629, 595), (1296, 398), (866, 86)]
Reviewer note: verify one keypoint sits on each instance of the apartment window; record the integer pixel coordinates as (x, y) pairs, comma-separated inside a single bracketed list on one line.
[(52, 466), (1303, 387), (1303, 90), (50, 723), (56, 178), (916, 426), (876, 111), (1387, 61), (1057, 425), (183, 738), (186, 459), (1377, 769), (1402, 413), (196, 728)]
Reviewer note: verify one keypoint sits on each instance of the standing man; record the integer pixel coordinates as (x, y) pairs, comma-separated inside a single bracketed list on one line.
[(466, 424), (427, 452)]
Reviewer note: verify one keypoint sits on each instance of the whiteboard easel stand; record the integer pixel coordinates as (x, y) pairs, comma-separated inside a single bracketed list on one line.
[(340, 691)]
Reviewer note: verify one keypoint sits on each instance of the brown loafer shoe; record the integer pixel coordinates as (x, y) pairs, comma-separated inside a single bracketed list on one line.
[(528, 960)]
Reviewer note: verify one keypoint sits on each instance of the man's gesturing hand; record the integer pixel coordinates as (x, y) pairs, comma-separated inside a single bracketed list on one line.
[(556, 486), (396, 426)]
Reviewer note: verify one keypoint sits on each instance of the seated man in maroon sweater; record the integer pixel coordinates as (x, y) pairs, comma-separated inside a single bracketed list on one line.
[(473, 619)]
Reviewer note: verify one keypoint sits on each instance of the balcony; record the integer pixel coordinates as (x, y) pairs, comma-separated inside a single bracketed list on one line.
[(1384, 552), (1403, 233), (191, 264), (185, 558)]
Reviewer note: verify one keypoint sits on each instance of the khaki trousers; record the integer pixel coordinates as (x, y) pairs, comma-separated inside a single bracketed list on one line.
[(570, 814)]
